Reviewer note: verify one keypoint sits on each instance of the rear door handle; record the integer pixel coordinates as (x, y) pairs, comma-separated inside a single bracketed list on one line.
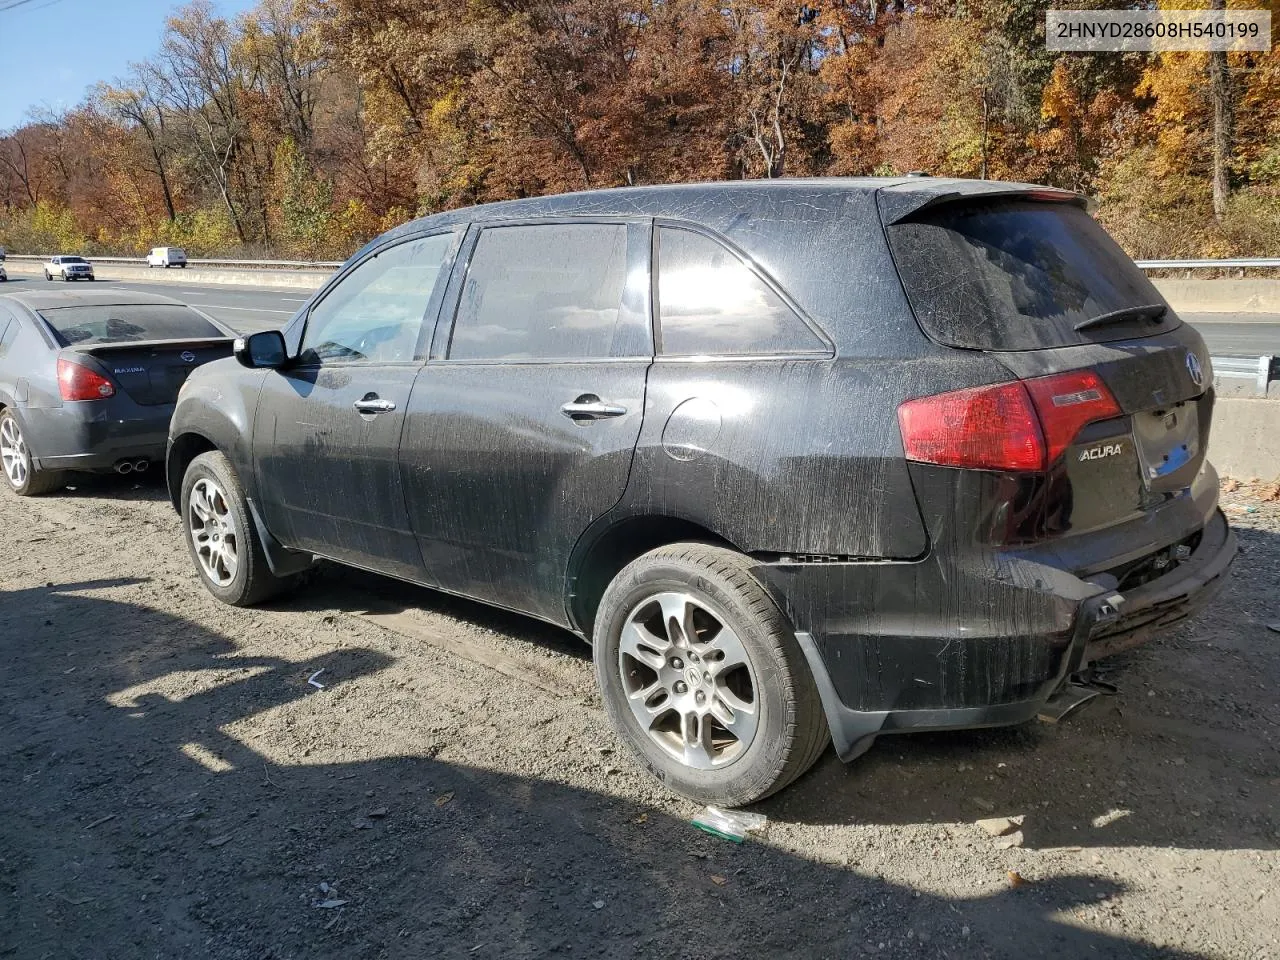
[(374, 404), (590, 407)]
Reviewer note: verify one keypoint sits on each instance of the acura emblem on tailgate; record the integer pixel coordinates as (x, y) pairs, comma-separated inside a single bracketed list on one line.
[(1194, 368)]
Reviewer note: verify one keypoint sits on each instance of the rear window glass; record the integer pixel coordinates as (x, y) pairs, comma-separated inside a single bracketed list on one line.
[(103, 323), (1019, 275)]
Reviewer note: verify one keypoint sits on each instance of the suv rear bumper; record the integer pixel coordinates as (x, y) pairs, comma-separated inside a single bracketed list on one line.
[(1001, 669)]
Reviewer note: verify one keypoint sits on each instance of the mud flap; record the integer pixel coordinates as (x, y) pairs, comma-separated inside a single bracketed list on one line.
[(282, 561)]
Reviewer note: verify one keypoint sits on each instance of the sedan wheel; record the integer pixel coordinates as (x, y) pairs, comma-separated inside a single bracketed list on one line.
[(213, 532), (15, 460), (13, 453)]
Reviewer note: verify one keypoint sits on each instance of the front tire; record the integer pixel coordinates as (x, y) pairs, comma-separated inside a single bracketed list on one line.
[(702, 676), (15, 460), (221, 535)]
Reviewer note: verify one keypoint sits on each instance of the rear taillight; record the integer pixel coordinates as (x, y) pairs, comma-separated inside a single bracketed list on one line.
[(80, 383), (1067, 402), (1021, 426)]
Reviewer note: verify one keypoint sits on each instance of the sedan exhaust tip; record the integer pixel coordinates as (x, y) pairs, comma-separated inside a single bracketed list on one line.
[(140, 466), (124, 466)]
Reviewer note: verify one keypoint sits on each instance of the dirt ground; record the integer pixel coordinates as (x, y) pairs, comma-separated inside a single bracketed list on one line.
[(174, 787)]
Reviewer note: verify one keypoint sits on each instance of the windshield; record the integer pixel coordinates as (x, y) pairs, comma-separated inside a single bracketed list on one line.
[(73, 260), (1020, 275), (121, 323)]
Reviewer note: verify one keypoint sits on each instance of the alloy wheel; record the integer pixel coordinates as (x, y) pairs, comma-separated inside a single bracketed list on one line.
[(689, 680), (212, 528), (13, 453)]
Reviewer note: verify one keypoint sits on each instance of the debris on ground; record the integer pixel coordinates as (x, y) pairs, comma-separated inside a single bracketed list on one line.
[(729, 824), (1016, 879), (1110, 817)]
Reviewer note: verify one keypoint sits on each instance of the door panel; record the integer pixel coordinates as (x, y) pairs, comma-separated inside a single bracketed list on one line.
[(500, 482), (327, 473), (328, 427)]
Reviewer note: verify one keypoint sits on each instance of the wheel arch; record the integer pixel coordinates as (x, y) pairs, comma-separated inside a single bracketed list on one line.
[(182, 450), (607, 547)]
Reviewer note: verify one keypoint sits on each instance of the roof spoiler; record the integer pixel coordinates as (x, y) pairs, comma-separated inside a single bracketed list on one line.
[(896, 206)]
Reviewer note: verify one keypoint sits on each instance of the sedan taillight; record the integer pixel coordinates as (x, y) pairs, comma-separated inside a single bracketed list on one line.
[(1021, 426), (76, 382)]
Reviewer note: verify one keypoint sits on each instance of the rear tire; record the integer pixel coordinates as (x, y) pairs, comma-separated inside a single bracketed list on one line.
[(23, 477), (702, 676), (221, 535)]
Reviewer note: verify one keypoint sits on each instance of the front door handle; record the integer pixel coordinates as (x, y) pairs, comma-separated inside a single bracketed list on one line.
[(374, 404), (590, 407)]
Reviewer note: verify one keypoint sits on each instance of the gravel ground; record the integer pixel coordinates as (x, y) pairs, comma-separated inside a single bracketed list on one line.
[(174, 786)]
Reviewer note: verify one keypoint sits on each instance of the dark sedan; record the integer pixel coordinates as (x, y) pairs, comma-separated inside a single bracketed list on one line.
[(88, 381)]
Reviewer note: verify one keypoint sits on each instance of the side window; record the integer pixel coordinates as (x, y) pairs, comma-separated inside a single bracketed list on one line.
[(375, 314), (545, 291), (711, 303)]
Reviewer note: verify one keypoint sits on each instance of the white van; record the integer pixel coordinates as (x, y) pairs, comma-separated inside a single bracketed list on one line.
[(167, 257)]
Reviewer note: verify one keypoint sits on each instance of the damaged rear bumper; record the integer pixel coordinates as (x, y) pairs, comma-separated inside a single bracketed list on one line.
[(941, 668)]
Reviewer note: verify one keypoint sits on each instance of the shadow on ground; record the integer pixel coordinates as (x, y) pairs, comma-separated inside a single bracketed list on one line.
[(132, 825)]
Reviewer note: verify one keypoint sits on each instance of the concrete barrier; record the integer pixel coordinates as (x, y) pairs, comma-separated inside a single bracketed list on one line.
[(1221, 296), (293, 279), (1244, 441)]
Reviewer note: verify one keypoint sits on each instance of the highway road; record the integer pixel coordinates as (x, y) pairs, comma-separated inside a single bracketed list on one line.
[(246, 309), (258, 308)]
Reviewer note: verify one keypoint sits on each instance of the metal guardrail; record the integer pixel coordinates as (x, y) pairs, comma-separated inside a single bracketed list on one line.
[(250, 264), (1240, 263), (1260, 370)]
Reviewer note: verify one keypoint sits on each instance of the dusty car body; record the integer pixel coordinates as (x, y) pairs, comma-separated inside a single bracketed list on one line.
[(924, 447)]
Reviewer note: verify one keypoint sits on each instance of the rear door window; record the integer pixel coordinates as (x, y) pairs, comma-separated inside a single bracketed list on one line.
[(1019, 275), (710, 303), (548, 291), (122, 323)]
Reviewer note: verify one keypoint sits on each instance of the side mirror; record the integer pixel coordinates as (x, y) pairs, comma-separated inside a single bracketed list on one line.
[(263, 349)]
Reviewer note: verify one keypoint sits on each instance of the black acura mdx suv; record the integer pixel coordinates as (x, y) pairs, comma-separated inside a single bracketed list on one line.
[(806, 460)]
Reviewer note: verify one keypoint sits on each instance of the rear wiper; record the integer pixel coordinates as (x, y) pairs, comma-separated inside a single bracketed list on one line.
[(1147, 311)]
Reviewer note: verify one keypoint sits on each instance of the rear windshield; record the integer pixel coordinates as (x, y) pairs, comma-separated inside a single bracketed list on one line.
[(99, 323), (1019, 275)]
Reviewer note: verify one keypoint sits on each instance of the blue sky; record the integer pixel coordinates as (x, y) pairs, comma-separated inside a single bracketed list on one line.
[(52, 51)]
